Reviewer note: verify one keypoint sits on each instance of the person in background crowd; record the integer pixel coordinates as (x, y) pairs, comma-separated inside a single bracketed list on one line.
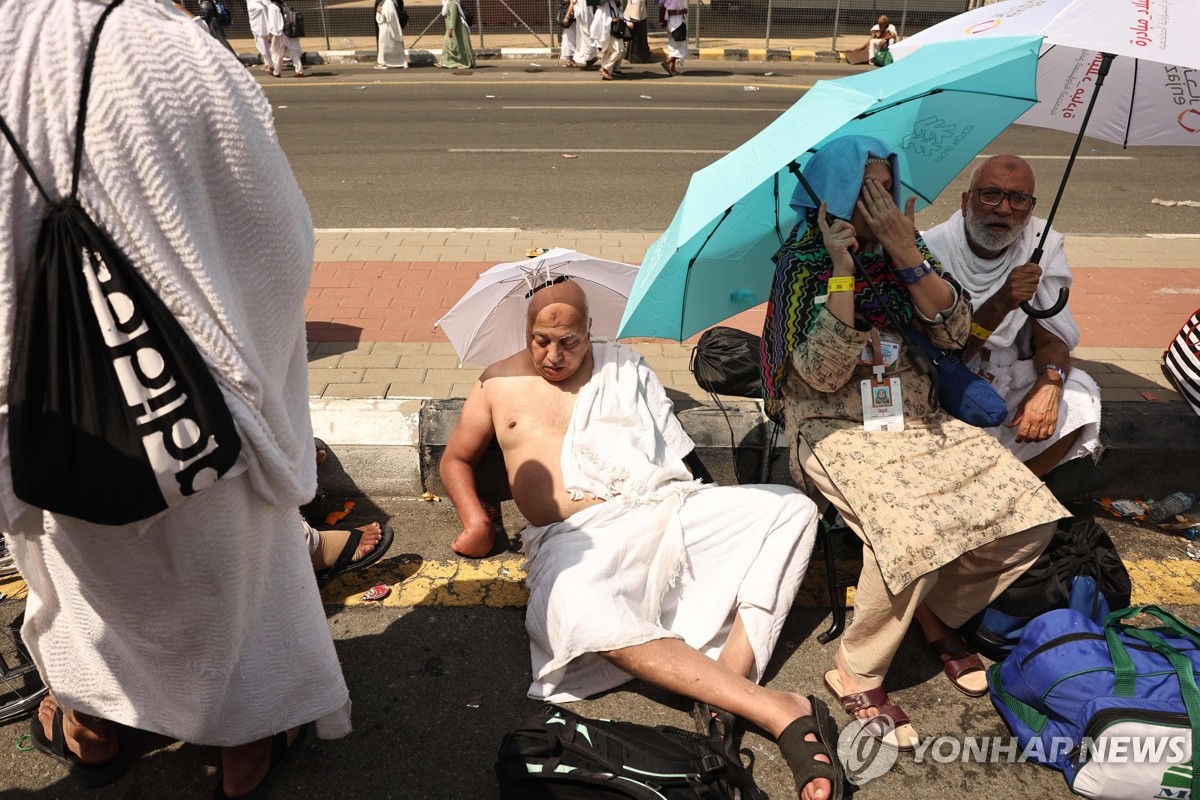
[(673, 16), (456, 44), (883, 34), (569, 33), (215, 21), (390, 18), (284, 46), (260, 26), (638, 51)]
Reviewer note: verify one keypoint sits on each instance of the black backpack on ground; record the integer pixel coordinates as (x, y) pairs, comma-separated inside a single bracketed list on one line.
[(115, 416), (559, 755), (727, 361), (1079, 569)]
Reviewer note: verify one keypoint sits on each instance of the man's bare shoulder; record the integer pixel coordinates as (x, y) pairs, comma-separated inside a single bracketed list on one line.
[(517, 365)]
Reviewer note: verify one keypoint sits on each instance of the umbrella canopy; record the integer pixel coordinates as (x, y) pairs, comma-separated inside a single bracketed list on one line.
[(939, 109), (1149, 95), (488, 323)]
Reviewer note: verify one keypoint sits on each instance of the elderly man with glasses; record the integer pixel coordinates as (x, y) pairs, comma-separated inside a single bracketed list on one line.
[(1054, 409)]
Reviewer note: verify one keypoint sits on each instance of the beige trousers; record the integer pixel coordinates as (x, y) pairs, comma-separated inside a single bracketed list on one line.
[(954, 592)]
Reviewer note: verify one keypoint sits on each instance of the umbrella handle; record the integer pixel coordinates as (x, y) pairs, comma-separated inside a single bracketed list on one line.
[(1059, 304)]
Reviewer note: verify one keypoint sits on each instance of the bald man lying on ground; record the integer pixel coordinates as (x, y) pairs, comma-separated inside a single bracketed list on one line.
[(635, 569)]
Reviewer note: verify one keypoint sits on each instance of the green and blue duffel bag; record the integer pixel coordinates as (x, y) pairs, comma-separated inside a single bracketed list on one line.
[(1114, 707)]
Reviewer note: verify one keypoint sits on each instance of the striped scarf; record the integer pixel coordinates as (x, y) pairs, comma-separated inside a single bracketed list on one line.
[(802, 267)]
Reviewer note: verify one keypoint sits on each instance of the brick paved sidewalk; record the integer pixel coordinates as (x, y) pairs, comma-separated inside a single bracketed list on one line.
[(376, 295)]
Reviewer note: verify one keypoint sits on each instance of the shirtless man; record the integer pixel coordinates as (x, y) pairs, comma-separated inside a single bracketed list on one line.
[(526, 402)]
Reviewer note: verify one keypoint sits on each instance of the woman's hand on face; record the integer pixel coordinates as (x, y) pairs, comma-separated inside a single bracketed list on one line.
[(839, 238), (892, 229)]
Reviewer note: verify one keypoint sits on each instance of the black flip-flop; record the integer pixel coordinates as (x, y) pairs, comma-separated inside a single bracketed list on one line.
[(281, 753), (345, 560), (89, 775), (799, 754)]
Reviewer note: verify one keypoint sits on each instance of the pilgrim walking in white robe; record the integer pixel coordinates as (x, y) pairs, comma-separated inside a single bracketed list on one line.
[(676, 16), (1009, 350), (205, 623), (586, 47), (260, 28), (664, 556), (391, 36), (283, 46)]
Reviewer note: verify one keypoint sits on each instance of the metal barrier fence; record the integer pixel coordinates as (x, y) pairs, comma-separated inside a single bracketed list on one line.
[(821, 25)]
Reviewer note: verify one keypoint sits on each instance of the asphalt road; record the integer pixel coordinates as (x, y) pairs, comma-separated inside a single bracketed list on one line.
[(426, 148)]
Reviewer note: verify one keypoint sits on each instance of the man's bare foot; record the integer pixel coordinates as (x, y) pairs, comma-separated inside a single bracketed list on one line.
[(92, 739), (332, 543), (244, 767)]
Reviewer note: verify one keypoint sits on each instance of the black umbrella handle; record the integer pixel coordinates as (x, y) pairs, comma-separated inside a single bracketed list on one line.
[(1063, 293), (1106, 60)]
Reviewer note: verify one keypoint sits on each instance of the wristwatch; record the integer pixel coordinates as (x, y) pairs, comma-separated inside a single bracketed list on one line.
[(914, 274), (1062, 373)]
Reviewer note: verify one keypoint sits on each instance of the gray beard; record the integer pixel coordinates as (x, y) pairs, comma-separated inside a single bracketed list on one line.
[(979, 232)]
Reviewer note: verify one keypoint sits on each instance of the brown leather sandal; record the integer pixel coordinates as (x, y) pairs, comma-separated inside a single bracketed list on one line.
[(958, 661), (891, 726)]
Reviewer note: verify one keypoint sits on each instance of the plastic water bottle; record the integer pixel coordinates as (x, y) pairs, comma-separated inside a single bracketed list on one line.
[(1169, 506)]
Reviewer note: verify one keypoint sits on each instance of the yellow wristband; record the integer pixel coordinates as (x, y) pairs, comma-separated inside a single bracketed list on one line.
[(979, 332), (845, 284)]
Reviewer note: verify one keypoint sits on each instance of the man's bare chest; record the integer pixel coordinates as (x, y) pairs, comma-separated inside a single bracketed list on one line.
[(533, 412)]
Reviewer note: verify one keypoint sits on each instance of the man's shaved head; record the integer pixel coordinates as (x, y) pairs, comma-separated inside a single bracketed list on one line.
[(564, 292), (558, 331)]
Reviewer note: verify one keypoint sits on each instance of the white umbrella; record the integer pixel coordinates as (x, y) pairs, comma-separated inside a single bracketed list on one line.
[(1151, 92), (488, 323), (1149, 97)]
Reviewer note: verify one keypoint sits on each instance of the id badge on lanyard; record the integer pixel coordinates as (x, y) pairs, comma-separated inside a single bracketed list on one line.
[(883, 405)]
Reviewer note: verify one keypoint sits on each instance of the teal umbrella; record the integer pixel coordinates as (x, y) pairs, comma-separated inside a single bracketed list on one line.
[(938, 108)]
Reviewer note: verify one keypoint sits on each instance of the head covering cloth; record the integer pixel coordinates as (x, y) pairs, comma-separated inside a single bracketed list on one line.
[(803, 265)]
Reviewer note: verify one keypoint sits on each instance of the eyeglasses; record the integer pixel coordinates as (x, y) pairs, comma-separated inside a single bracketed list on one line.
[(1017, 201)]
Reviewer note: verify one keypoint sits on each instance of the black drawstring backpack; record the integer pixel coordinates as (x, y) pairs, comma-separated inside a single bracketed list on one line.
[(113, 414)]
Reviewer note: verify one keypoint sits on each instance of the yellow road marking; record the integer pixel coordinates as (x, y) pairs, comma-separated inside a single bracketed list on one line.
[(500, 583)]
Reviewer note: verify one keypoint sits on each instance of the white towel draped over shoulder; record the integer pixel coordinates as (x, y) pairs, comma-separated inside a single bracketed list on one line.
[(983, 277), (623, 438)]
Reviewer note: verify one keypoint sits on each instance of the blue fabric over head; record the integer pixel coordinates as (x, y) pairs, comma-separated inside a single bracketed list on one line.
[(835, 173)]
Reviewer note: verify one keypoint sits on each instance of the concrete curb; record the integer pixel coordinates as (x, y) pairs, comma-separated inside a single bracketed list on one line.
[(391, 448), (428, 56)]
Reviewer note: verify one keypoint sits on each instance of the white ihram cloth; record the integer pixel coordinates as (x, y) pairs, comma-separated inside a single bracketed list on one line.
[(391, 36), (1010, 346), (677, 50), (663, 557), (207, 626)]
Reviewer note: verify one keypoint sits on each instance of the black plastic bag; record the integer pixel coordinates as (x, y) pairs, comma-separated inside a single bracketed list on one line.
[(727, 361), (114, 415)]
